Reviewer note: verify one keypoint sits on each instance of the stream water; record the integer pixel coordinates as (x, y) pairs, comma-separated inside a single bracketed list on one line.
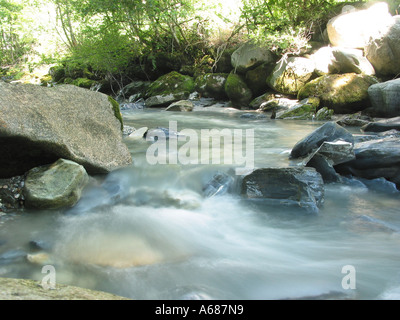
[(148, 232)]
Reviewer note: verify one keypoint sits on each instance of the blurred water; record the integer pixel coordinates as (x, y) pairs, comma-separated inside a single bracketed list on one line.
[(147, 232)]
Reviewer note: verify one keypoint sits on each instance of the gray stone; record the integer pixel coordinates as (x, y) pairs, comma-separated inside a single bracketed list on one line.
[(211, 85), (298, 186), (383, 125), (181, 106), (163, 100), (383, 49), (304, 110), (39, 125), (385, 98), (328, 132), (220, 184), (250, 56), (323, 166), (55, 186), (377, 158), (291, 74)]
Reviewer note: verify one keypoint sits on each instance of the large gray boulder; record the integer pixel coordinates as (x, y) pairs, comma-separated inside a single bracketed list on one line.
[(55, 186), (249, 56), (39, 125), (383, 49), (385, 98), (298, 186), (329, 132), (353, 28), (377, 158)]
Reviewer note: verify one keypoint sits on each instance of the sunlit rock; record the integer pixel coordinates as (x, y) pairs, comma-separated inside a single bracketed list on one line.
[(344, 93), (211, 85), (353, 28), (181, 106), (383, 49), (291, 74)]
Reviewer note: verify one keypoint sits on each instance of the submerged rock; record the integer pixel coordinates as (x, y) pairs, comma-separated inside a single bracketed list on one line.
[(220, 184), (39, 125), (55, 186), (299, 186)]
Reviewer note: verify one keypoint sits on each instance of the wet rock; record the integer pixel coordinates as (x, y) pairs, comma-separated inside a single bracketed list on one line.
[(135, 88), (221, 183), (324, 167), (11, 195), (298, 186), (163, 100), (329, 132), (324, 114), (55, 186), (40, 125), (138, 134), (377, 158), (354, 120), (304, 110), (382, 125), (385, 98), (12, 256)]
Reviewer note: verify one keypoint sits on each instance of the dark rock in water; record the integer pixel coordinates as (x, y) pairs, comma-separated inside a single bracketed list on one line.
[(299, 186), (377, 158), (253, 116), (329, 132), (382, 125), (39, 125), (220, 184), (40, 245), (380, 184), (12, 256), (324, 167)]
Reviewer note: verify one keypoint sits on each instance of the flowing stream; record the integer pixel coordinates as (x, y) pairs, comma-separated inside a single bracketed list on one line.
[(148, 231)]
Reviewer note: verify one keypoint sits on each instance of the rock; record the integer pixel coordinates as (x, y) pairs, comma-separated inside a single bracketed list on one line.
[(135, 88), (336, 60), (278, 104), (212, 85), (290, 75), (258, 101), (55, 186), (220, 184), (256, 79), (328, 155), (377, 158), (138, 134), (324, 114), (298, 186), (23, 289), (249, 56), (353, 29), (237, 91), (40, 125), (329, 132), (344, 93), (181, 106), (385, 99), (354, 120), (169, 88), (163, 100), (304, 110), (40, 258), (382, 125), (383, 49)]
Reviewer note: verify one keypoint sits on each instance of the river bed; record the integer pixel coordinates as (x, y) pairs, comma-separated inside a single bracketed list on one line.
[(148, 231)]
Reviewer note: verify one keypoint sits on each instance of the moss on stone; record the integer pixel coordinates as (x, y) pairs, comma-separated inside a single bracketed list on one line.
[(83, 83), (237, 90), (172, 82), (117, 111)]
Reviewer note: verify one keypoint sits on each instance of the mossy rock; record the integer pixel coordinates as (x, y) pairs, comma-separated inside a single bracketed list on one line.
[(256, 79), (57, 73), (304, 110), (117, 111), (212, 85), (171, 83), (237, 91), (84, 83), (344, 93)]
